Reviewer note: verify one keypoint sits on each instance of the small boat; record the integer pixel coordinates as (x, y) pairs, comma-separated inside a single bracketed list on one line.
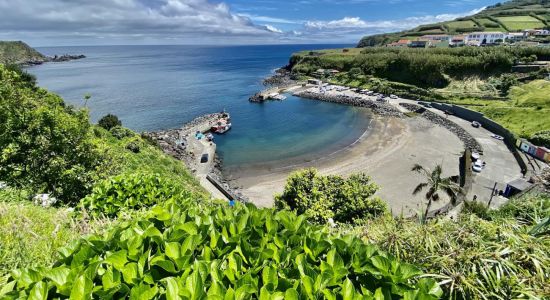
[(223, 124), (276, 96)]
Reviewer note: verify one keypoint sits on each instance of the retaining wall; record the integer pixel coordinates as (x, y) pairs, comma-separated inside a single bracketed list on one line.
[(470, 115)]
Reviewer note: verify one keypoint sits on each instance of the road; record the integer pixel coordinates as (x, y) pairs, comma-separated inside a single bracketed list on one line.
[(501, 165)]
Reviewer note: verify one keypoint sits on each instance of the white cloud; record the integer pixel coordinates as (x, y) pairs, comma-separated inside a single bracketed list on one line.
[(273, 29), (126, 19)]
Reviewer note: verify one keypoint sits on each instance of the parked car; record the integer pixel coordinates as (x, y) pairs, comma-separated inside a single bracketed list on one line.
[(477, 166), (498, 137), (476, 124), (393, 96), (204, 158), (475, 156)]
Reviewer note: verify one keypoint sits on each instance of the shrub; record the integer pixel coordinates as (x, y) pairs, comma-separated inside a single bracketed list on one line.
[(133, 146), (323, 197), (133, 191), (541, 138), (45, 146), (109, 121), (196, 251), (120, 132)]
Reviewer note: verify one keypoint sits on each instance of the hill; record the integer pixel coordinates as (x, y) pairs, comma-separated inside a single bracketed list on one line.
[(18, 52), (515, 15)]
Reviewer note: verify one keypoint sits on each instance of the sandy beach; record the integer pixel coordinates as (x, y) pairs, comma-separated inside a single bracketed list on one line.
[(386, 152)]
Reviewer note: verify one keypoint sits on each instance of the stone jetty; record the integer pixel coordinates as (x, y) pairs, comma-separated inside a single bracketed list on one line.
[(378, 107)]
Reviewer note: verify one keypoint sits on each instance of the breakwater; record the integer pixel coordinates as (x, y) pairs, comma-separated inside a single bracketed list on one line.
[(378, 107), (469, 141)]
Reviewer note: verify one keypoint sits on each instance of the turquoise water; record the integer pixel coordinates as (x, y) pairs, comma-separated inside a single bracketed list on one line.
[(161, 87)]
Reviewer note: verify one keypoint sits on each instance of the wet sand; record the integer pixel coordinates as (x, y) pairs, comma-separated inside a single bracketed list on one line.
[(386, 152)]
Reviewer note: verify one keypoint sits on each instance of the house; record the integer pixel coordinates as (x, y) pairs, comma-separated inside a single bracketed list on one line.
[(516, 36), (517, 186), (319, 73), (485, 38), (400, 43), (457, 41), (420, 44), (314, 81), (541, 32), (436, 37)]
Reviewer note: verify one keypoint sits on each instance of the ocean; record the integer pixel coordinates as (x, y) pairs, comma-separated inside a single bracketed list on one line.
[(160, 87)]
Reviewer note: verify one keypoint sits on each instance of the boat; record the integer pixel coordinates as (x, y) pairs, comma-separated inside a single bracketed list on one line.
[(223, 124), (276, 96)]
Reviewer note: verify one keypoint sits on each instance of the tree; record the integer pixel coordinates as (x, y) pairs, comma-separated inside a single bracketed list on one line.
[(435, 183), (109, 121), (323, 197), (87, 97)]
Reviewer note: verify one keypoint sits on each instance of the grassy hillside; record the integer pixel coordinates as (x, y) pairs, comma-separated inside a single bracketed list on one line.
[(18, 53), (510, 16)]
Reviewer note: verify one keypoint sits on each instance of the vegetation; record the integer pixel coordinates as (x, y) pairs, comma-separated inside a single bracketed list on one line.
[(130, 192), (321, 198), (421, 67), (49, 147), (109, 121), (193, 250), (18, 53), (472, 257), (435, 183), (45, 145), (513, 15)]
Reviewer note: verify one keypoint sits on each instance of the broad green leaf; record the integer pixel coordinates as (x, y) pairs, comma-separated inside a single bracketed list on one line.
[(82, 288), (270, 278), (173, 250), (130, 273), (58, 276), (348, 290), (291, 294), (117, 259), (172, 288), (8, 287), (39, 291), (143, 292)]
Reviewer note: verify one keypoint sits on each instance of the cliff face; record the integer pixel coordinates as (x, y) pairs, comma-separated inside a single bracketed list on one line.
[(18, 52)]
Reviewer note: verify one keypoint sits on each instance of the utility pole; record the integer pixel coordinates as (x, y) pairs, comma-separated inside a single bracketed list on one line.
[(492, 195)]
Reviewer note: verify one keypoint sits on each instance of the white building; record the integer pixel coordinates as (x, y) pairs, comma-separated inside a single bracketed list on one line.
[(485, 38)]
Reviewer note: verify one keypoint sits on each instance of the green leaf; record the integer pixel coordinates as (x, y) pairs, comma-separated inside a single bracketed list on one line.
[(291, 294), (167, 265), (58, 276), (39, 291), (270, 278), (8, 287), (173, 250), (348, 290), (117, 259), (172, 288), (82, 288), (381, 263), (130, 273), (143, 292)]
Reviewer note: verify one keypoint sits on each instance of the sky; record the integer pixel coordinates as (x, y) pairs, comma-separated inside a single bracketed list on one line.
[(217, 22)]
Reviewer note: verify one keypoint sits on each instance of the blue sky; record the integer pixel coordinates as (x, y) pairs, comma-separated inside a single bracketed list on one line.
[(84, 22)]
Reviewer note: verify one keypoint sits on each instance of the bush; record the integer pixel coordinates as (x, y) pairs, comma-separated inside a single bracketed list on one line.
[(126, 192), (109, 121), (541, 138), (133, 146), (323, 197), (46, 147), (120, 132), (198, 251)]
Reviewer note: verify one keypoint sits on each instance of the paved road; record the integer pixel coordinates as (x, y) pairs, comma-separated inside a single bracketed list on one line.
[(501, 167)]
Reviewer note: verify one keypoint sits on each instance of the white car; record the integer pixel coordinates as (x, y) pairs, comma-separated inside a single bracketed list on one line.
[(498, 137), (393, 96), (478, 166), (475, 156)]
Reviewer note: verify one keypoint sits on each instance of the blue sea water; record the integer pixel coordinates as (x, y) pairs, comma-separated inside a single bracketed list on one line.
[(161, 87)]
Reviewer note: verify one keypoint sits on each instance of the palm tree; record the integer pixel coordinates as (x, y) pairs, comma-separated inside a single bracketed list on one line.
[(435, 184), (87, 97)]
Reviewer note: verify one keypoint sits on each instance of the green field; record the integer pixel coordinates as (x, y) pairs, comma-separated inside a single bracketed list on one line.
[(521, 22), (461, 24)]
